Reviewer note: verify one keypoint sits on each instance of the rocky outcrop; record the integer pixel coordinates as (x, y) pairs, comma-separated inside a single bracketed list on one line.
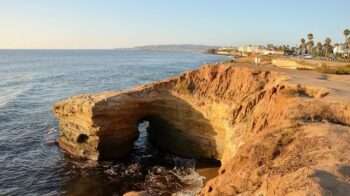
[(274, 135)]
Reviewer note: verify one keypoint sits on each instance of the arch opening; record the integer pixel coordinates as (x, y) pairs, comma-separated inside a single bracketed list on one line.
[(185, 142), (151, 146)]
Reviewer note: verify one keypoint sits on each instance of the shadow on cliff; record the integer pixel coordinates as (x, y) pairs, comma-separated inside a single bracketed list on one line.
[(174, 124), (331, 184)]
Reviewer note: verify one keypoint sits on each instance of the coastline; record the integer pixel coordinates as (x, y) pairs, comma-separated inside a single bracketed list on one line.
[(200, 106)]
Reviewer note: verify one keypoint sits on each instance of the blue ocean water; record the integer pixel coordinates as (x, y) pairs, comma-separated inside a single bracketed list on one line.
[(32, 80)]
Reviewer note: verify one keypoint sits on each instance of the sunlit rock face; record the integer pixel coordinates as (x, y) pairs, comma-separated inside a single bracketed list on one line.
[(189, 115), (272, 134)]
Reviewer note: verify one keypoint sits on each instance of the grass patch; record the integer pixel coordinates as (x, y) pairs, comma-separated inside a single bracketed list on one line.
[(334, 70), (244, 60)]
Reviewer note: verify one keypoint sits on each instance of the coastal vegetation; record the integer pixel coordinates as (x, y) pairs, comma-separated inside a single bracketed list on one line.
[(322, 56), (334, 70), (327, 48)]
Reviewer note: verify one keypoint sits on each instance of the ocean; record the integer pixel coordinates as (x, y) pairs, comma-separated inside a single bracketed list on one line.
[(31, 163)]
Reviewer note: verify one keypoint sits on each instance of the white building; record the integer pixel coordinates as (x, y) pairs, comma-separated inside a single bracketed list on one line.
[(270, 52), (251, 48), (341, 49), (228, 48)]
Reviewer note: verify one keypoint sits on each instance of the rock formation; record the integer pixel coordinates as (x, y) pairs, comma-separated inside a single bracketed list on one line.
[(275, 133)]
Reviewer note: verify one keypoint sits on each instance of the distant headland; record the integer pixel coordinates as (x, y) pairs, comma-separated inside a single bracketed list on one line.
[(176, 47)]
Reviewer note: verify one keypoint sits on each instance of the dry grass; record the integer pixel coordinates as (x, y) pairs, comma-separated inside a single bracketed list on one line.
[(334, 70), (251, 59)]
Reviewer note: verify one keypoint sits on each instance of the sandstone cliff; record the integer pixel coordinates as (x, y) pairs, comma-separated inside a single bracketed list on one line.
[(276, 133)]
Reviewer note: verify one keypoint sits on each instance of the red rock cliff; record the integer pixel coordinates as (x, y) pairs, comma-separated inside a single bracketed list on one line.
[(274, 134)]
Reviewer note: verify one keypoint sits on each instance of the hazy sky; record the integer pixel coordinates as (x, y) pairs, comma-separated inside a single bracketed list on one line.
[(115, 24)]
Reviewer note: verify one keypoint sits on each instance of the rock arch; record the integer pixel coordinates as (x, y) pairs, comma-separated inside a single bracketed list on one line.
[(178, 121), (192, 115), (271, 130)]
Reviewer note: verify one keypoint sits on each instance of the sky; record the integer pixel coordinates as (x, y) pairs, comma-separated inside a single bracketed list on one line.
[(88, 24)]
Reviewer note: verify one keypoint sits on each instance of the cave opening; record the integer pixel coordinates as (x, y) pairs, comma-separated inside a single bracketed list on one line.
[(143, 144), (149, 149), (82, 138)]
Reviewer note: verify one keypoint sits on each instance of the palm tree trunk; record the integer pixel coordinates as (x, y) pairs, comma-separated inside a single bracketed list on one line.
[(346, 46)]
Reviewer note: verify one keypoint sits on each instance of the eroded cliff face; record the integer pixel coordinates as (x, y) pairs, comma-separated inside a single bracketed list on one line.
[(273, 135)]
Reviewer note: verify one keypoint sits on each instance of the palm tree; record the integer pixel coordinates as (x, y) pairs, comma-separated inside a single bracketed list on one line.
[(302, 45), (347, 33), (311, 46), (310, 43), (327, 45), (310, 36), (319, 48)]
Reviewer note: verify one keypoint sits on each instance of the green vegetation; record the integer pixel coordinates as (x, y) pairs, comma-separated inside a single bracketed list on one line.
[(346, 33), (324, 49), (310, 43), (302, 45), (327, 46), (212, 51), (347, 40)]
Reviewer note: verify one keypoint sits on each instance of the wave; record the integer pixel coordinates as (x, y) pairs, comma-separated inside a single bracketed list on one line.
[(7, 98), (176, 181), (11, 80)]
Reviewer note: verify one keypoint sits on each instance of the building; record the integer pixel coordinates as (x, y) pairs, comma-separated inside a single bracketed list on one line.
[(228, 48), (251, 48), (271, 52), (341, 49)]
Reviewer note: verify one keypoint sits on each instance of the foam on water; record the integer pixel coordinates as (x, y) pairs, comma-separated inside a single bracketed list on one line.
[(10, 94)]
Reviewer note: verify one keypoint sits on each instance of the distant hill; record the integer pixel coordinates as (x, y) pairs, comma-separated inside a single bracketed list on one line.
[(174, 47)]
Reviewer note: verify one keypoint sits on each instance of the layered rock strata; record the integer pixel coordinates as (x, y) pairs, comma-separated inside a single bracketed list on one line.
[(273, 134)]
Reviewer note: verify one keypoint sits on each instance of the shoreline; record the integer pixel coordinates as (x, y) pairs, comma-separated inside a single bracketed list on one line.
[(205, 113)]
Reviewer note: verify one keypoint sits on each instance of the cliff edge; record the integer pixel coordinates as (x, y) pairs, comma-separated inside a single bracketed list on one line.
[(276, 132)]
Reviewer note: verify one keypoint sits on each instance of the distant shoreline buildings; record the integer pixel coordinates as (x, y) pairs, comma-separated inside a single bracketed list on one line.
[(251, 48), (341, 49), (248, 49)]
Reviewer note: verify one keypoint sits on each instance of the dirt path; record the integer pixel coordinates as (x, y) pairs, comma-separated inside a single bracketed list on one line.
[(338, 85)]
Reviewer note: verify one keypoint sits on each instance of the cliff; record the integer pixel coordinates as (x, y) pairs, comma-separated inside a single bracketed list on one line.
[(276, 132)]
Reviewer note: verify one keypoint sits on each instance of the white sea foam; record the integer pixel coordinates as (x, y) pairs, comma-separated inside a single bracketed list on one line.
[(8, 95), (179, 181), (12, 86), (6, 80), (51, 131)]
